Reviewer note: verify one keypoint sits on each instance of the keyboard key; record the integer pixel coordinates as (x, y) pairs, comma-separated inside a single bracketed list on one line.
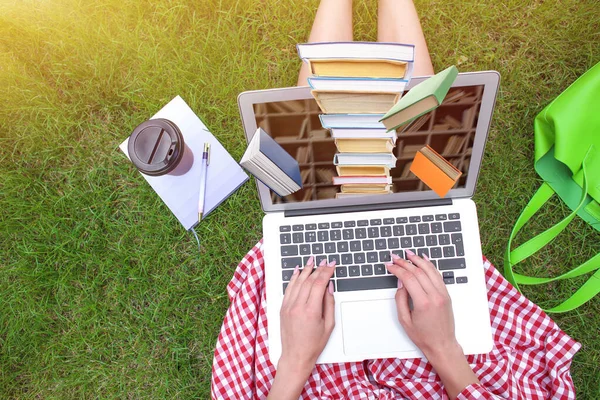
[(372, 257), (323, 225), (388, 221), (393, 243), (346, 259), (380, 244), (386, 231), (362, 222), (399, 230), (434, 262), (414, 252), (451, 263), (359, 258), (341, 272), (311, 227), (454, 216), (355, 245), (354, 270), (342, 247), (336, 224), (297, 228), (399, 253), (285, 238), (423, 251), (427, 218), (320, 258), (360, 233), (349, 224), (384, 256), (334, 257), (291, 262), (310, 236), (441, 217), (449, 281), (290, 250), (332, 284), (449, 251), (348, 234), (286, 274), (305, 249), (444, 239), (285, 228), (457, 240), (317, 248), (436, 252), (304, 260), (373, 232), (405, 242), (401, 220), (374, 222), (376, 282), (448, 274), (414, 219), (419, 241), (323, 236), (335, 235), (298, 237), (411, 229), (423, 229), (285, 285), (436, 227), (431, 240), (452, 226), (461, 279), (366, 270), (368, 244), (330, 247)]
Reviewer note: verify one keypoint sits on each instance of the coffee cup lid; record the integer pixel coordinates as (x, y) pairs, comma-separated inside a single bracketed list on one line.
[(156, 146)]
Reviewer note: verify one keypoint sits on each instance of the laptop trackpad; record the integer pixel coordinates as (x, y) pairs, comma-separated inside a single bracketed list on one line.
[(371, 326)]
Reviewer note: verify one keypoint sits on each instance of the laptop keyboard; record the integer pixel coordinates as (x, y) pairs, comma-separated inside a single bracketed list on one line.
[(360, 248)]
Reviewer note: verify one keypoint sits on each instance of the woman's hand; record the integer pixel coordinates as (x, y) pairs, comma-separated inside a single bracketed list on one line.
[(307, 319), (430, 323)]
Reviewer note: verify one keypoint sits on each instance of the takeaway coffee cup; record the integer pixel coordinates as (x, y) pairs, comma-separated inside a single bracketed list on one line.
[(156, 147)]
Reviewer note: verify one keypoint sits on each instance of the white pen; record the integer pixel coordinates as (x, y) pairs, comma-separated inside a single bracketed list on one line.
[(203, 177)]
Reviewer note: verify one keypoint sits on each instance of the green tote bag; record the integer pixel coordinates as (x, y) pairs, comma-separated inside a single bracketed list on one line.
[(567, 158)]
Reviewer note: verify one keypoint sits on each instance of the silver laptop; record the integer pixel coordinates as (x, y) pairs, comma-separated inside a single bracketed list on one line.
[(360, 232)]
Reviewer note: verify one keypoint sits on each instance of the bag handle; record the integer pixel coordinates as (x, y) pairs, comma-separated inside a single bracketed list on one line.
[(542, 195)]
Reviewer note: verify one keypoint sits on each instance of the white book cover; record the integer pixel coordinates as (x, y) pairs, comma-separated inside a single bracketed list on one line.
[(371, 121), (367, 85), (359, 50), (181, 193), (366, 133)]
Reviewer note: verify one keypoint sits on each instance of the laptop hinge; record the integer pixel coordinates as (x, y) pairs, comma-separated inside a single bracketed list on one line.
[(368, 207)]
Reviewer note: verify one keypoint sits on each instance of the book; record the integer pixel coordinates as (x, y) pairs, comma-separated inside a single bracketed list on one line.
[(349, 195), (372, 188), (354, 102), (368, 121), (362, 170), (421, 99), (271, 164), (364, 145), (181, 193), (435, 171), (366, 180), (383, 159), (355, 84), (351, 133), (343, 68), (359, 50)]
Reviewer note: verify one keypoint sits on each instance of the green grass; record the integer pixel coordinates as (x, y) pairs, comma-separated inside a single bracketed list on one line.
[(102, 293)]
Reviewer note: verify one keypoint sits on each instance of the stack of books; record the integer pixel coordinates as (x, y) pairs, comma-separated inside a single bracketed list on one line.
[(355, 84)]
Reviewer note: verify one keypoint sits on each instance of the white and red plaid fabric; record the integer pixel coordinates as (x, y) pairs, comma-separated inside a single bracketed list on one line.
[(530, 360)]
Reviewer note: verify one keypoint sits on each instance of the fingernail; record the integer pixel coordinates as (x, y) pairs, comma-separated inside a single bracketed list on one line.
[(395, 257), (331, 264), (323, 262), (400, 285), (296, 269), (310, 261), (425, 257), (330, 287), (409, 253)]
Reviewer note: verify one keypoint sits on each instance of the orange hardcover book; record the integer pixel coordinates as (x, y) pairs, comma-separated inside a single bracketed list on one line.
[(435, 171)]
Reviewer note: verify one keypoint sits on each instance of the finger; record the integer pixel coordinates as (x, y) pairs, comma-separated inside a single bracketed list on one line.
[(305, 289), (299, 279), (409, 281), (290, 286), (434, 276), (319, 286), (424, 280), (404, 315), (329, 308)]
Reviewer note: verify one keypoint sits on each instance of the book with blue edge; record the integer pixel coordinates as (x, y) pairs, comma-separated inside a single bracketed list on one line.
[(271, 164)]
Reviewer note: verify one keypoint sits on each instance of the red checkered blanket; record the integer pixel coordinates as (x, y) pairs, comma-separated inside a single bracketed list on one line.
[(530, 359)]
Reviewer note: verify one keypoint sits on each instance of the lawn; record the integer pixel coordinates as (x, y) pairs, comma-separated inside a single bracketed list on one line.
[(102, 293)]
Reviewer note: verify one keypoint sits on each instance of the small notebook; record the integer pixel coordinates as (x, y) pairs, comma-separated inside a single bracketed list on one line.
[(435, 171), (181, 193), (271, 164)]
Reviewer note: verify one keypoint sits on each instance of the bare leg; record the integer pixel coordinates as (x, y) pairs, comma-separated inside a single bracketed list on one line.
[(333, 23), (398, 21)]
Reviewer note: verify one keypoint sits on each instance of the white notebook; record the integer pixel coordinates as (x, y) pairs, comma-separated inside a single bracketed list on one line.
[(180, 193)]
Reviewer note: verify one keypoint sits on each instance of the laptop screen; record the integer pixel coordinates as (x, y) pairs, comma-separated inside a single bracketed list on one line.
[(295, 125)]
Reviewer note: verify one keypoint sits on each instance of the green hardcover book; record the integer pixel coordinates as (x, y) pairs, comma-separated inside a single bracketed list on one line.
[(421, 99)]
